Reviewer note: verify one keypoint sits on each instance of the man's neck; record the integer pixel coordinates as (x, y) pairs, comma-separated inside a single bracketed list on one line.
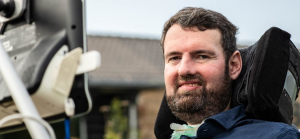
[(197, 125)]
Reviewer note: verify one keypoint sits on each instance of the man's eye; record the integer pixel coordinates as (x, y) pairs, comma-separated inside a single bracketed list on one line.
[(173, 59), (202, 57)]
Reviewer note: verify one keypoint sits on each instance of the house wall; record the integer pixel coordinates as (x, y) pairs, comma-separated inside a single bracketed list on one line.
[(296, 117), (148, 102)]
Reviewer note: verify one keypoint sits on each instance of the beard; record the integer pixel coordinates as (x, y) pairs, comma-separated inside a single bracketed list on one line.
[(196, 105)]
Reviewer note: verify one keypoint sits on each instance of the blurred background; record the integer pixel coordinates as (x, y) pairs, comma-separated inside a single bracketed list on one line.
[(128, 87)]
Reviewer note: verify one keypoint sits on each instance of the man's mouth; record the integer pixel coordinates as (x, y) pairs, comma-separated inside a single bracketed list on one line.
[(192, 84), (189, 85)]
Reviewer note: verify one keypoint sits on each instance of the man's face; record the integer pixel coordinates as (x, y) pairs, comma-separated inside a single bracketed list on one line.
[(197, 83)]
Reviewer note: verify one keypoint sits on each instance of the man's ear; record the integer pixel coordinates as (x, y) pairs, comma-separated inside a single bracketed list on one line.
[(235, 65)]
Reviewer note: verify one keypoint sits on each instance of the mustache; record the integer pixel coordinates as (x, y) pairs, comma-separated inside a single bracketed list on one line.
[(189, 77)]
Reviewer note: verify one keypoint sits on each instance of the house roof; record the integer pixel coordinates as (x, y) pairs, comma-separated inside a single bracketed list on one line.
[(127, 62)]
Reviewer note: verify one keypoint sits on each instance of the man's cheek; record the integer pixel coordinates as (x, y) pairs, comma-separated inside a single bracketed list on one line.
[(169, 80)]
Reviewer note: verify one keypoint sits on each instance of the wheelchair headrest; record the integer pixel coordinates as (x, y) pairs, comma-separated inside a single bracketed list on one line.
[(269, 80)]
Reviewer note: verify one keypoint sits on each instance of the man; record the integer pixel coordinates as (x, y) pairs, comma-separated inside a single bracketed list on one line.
[(201, 61)]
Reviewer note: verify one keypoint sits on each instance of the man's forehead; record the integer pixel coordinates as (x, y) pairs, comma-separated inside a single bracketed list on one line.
[(178, 37)]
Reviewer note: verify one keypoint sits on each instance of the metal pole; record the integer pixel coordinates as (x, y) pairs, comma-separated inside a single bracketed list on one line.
[(20, 96)]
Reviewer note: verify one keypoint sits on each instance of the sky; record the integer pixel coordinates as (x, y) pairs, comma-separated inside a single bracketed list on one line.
[(145, 18)]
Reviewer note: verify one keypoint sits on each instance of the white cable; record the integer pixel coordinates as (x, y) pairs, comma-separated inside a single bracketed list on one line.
[(19, 116)]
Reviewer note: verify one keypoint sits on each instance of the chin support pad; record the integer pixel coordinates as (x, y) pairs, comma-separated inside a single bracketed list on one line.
[(261, 83)]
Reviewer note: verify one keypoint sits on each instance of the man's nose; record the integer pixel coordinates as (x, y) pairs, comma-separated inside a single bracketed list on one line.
[(186, 67)]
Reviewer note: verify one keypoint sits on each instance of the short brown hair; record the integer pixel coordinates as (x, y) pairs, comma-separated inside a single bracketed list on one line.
[(205, 19)]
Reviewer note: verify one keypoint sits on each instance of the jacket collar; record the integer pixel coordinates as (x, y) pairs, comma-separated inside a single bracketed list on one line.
[(221, 122)]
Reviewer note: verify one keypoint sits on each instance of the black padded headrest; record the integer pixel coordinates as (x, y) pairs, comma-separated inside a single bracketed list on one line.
[(260, 85)]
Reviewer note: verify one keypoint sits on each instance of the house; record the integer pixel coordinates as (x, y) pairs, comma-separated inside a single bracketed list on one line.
[(132, 70)]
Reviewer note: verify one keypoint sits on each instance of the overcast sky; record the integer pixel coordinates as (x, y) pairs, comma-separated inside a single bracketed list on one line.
[(145, 19)]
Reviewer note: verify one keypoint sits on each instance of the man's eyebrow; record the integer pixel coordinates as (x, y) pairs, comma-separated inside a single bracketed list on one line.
[(172, 53), (204, 52), (194, 52)]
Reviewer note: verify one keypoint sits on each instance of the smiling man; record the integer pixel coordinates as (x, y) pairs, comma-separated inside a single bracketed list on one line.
[(198, 67), (197, 82), (201, 61)]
